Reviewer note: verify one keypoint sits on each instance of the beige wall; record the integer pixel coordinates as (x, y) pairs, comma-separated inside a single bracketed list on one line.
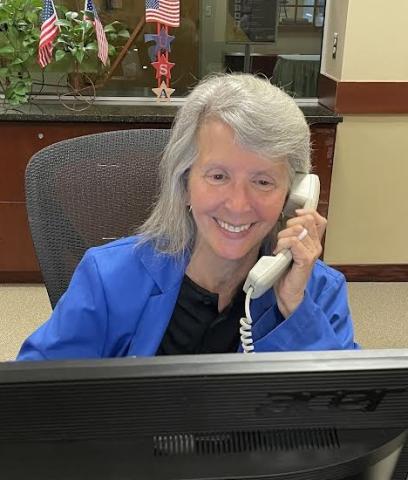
[(336, 22), (376, 46), (372, 40), (368, 205)]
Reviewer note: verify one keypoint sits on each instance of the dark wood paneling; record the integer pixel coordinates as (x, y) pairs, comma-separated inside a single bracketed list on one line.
[(374, 273), (372, 97), (323, 138), (21, 277), (326, 92), (363, 97), (16, 247)]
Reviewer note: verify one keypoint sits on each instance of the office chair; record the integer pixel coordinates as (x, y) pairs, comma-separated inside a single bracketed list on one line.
[(87, 191)]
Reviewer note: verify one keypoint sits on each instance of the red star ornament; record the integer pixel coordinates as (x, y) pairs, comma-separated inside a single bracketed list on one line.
[(163, 92), (163, 67)]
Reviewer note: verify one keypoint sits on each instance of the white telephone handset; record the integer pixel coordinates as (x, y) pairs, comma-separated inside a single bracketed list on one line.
[(304, 193)]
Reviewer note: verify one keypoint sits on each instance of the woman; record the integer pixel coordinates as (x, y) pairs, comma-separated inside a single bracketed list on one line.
[(176, 288)]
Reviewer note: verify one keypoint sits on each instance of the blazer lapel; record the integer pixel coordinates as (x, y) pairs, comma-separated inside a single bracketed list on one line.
[(153, 322), (167, 272)]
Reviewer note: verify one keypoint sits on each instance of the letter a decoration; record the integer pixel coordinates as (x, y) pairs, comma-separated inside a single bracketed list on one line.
[(166, 13)]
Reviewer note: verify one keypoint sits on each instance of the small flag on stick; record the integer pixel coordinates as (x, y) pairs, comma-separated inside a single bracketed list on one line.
[(100, 34), (166, 12), (49, 31)]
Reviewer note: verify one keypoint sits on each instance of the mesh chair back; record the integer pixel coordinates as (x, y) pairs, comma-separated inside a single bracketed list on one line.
[(87, 191)]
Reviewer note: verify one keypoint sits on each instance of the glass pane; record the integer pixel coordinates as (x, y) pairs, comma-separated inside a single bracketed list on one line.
[(214, 36), (287, 14), (305, 15), (319, 13)]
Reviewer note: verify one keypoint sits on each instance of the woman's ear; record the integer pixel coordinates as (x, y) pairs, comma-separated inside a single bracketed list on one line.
[(187, 186), (187, 195)]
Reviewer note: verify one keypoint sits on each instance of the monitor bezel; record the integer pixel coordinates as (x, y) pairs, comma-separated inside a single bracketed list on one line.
[(211, 364)]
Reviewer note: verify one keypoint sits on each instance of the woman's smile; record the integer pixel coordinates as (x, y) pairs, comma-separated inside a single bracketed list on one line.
[(233, 228)]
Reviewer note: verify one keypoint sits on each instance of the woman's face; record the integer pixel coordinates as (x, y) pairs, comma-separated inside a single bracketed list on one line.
[(236, 195)]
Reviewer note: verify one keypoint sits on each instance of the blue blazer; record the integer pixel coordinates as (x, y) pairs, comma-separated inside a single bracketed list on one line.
[(121, 298)]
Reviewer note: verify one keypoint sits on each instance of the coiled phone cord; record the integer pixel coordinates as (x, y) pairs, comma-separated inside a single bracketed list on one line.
[(246, 326)]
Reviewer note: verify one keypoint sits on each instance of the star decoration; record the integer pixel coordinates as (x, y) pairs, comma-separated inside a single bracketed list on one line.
[(163, 67), (152, 53), (162, 40), (163, 92)]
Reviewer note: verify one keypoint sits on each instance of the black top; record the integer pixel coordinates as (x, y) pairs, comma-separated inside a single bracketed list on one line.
[(196, 326)]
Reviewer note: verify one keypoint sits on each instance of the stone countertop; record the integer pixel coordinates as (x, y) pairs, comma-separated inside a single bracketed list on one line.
[(135, 113)]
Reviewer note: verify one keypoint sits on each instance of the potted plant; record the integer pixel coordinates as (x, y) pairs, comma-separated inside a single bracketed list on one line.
[(19, 34), (76, 47)]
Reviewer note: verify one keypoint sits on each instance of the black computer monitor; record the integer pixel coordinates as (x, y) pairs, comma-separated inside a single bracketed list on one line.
[(310, 416)]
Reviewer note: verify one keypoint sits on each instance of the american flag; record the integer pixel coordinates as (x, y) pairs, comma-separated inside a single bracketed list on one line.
[(100, 34), (163, 11), (49, 31)]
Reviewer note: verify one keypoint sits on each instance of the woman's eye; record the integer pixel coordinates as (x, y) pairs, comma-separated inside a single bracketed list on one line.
[(216, 177), (264, 184)]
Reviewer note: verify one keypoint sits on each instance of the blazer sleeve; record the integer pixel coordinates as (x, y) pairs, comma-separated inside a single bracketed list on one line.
[(78, 324), (321, 322)]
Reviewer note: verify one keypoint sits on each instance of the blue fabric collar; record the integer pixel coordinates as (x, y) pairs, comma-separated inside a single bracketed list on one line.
[(166, 270)]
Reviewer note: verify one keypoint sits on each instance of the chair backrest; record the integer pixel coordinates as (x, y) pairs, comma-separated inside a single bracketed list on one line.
[(87, 191)]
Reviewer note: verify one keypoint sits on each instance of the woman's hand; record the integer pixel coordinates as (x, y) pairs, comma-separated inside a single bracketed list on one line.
[(302, 235)]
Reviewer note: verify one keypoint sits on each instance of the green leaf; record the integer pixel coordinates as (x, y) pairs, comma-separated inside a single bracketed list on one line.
[(59, 55), (8, 50), (87, 25), (61, 39), (26, 54), (71, 15), (3, 72), (18, 99), (109, 28), (21, 89), (93, 46), (13, 35), (29, 42), (79, 55), (64, 23), (124, 34), (17, 61), (14, 82), (32, 17)]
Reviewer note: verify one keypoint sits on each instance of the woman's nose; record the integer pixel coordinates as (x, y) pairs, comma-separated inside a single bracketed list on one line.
[(238, 198)]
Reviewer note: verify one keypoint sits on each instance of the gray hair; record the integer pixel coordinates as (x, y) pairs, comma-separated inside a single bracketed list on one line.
[(265, 120)]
